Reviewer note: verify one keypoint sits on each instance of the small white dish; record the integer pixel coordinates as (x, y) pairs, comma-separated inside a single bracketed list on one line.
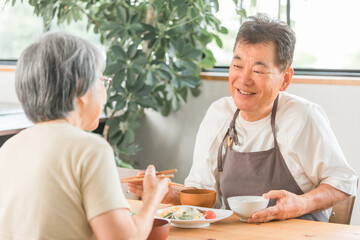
[(220, 215), (245, 206)]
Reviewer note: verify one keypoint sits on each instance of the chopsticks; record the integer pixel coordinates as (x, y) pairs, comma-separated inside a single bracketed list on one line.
[(140, 179), (162, 174), (174, 184)]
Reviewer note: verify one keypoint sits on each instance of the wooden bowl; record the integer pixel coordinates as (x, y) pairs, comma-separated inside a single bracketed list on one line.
[(198, 197), (160, 229)]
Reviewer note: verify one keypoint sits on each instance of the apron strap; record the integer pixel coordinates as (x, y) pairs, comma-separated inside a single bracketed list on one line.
[(273, 115), (233, 135), (232, 132)]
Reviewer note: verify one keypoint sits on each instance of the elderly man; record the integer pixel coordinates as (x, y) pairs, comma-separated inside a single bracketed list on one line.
[(263, 141)]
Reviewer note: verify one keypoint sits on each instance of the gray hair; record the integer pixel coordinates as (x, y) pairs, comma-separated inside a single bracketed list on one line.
[(261, 28), (52, 72)]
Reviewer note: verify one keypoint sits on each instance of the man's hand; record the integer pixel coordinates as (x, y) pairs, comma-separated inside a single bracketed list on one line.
[(288, 205)]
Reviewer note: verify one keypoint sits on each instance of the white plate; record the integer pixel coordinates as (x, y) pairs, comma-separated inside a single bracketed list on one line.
[(220, 214)]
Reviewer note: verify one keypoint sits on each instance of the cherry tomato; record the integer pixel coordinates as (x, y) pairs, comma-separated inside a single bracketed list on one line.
[(210, 215)]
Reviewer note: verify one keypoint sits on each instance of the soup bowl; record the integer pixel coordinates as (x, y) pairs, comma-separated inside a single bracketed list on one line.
[(198, 197), (160, 229), (245, 206)]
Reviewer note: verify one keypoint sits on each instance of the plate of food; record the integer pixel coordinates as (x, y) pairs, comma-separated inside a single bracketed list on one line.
[(185, 216)]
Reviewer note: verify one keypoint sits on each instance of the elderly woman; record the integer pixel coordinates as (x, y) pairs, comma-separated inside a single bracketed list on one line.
[(58, 181)]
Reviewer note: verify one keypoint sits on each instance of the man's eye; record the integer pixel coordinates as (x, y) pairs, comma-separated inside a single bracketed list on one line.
[(258, 72), (237, 66)]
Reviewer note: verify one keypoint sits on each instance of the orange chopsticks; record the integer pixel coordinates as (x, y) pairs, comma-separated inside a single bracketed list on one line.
[(140, 179), (162, 173)]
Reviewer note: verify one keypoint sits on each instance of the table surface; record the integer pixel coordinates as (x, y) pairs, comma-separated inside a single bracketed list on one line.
[(232, 228)]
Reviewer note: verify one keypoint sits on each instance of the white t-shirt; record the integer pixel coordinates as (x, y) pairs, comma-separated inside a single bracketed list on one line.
[(306, 142), (53, 179)]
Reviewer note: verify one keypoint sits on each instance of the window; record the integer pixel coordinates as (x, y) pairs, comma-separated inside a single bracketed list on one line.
[(327, 36), (19, 27)]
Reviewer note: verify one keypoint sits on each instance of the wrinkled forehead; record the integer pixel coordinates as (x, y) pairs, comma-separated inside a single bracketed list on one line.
[(259, 52)]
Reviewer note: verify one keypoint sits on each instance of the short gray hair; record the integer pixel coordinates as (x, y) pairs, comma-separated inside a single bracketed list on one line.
[(52, 72), (261, 28)]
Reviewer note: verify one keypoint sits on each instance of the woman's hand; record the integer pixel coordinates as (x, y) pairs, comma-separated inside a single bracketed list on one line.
[(288, 205), (154, 189), (172, 195)]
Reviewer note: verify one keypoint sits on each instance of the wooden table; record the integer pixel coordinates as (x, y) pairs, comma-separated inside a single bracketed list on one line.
[(232, 228)]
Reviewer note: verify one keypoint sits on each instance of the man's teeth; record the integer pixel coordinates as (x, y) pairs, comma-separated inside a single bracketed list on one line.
[(245, 93)]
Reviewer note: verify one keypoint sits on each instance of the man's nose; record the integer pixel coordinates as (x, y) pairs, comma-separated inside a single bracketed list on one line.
[(246, 77)]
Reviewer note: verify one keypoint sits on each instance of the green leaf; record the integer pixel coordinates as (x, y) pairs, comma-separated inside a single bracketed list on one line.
[(124, 164), (182, 10), (149, 36), (151, 78), (223, 30), (218, 41), (165, 109), (164, 74), (175, 104), (112, 123), (132, 50), (144, 91), (241, 12), (159, 88), (119, 52), (121, 13), (120, 105), (132, 107), (129, 136), (191, 81), (195, 91), (190, 52), (113, 33), (146, 102), (136, 27), (110, 26), (112, 69), (130, 77)]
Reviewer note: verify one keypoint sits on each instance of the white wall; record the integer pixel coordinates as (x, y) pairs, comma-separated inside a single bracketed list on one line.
[(169, 142), (7, 86)]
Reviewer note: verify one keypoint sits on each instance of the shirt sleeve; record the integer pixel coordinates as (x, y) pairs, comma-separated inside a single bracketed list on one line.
[(99, 184), (204, 173), (322, 157)]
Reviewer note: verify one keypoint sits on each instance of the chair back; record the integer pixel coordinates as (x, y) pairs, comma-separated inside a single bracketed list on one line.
[(341, 212), (124, 173)]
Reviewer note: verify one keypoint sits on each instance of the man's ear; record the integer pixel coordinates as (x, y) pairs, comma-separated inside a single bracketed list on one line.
[(288, 74)]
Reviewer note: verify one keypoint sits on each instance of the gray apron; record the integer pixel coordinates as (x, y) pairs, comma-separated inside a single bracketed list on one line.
[(255, 173)]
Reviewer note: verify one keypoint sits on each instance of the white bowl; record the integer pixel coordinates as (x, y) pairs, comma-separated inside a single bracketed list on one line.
[(245, 206)]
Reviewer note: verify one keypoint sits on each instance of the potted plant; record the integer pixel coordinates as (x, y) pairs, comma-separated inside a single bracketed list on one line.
[(156, 51)]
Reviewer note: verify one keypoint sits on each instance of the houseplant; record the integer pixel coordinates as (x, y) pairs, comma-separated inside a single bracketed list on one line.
[(156, 50)]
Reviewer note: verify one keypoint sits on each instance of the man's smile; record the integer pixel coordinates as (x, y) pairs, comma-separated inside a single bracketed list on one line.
[(245, 92)]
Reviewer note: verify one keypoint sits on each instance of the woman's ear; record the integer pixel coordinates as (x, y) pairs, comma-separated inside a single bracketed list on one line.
[(288, 74), (83, 99)]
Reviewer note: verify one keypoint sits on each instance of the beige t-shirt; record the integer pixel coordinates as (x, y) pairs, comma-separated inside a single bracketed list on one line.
[(53, 179)]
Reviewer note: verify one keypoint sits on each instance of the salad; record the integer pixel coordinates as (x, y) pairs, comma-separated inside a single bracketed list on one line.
[(187, 213)]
